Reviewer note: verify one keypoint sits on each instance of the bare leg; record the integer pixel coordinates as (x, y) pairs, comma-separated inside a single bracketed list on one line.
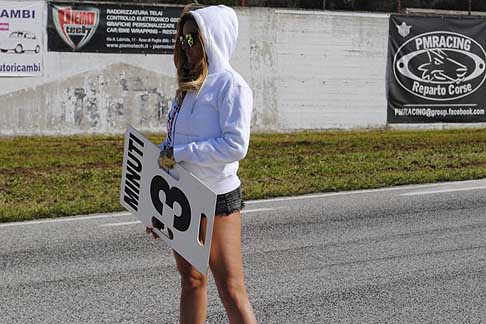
[(226, 264), (194, 300)]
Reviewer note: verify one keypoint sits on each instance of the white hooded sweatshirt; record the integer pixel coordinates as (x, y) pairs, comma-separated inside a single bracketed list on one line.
[(211, 131)]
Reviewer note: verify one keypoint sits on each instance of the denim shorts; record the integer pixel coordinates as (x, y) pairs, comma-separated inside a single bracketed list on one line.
[(230, 202)]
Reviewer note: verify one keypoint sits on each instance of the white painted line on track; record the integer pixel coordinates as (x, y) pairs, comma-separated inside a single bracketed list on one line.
[(139, 222), (249, 202), (431, 192), (256, 210), (357, 192), (120, 224), (66, 219)]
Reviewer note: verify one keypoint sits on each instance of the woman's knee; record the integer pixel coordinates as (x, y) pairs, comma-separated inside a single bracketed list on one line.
[(231, 290), (193, 280), (190, 277)]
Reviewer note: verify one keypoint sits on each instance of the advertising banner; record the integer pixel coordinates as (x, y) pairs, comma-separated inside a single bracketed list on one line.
[(176, 200), (111, 28), (436, 70), (21, 29)]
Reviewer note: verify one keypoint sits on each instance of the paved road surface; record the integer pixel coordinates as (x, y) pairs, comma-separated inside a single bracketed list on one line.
[(412, 254)]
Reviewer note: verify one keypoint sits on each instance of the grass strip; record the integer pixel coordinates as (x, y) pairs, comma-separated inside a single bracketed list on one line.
[(61, 176)]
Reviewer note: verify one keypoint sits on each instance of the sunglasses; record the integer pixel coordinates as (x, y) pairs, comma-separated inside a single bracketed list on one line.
[(188, 40)]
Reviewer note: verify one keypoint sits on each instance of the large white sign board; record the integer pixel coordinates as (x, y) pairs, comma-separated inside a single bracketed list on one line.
[(21, 38), (177, 200)]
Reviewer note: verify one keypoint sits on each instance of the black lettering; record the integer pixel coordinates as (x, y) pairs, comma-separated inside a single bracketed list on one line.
[(131, 181), (26, 14), (132, 147), (133, 177), (158, 183), (133, 137), (133, 158), (182, 221), (131, 199), (172, 195), (134, 168)]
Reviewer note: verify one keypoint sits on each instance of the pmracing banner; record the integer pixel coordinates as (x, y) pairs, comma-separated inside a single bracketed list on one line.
[(436, 70), (111, 28), (21, 26)]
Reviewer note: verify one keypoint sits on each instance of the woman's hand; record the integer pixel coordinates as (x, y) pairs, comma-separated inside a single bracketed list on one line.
[(149, 230), (155, 224), (166, 158)]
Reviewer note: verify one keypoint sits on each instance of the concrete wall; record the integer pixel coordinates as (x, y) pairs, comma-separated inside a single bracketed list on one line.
[(308, 70), (331, 69)]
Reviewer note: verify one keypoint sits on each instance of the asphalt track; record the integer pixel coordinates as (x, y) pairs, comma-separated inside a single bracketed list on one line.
[(414, 254)]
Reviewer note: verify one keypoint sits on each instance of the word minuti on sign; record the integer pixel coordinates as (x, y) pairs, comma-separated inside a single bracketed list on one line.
[(436, 70), (177, 201), (111, 28)]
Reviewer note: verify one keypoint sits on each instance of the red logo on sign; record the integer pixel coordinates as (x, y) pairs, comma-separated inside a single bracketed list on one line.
[(76, 26), (4, 26)]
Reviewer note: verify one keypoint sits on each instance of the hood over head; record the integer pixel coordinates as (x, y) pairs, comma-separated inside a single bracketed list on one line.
[(219, 28)]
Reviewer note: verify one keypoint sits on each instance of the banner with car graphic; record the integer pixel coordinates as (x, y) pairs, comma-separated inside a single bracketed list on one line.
[(111, 28), (436, 70), (21, 28)]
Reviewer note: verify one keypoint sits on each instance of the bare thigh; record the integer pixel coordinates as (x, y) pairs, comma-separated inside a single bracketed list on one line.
[(226, 265), (226, 261), (225, 256), (190, 276)]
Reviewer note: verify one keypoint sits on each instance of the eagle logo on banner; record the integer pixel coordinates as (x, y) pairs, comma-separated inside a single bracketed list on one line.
[(76, 26)]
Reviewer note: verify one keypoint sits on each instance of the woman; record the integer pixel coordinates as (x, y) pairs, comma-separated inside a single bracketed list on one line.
[(208, 132)]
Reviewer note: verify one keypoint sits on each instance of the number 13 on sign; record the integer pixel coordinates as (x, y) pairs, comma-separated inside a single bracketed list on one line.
[(176, 200)]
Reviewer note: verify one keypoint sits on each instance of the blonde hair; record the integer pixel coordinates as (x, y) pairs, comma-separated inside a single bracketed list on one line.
[(189, 79)]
